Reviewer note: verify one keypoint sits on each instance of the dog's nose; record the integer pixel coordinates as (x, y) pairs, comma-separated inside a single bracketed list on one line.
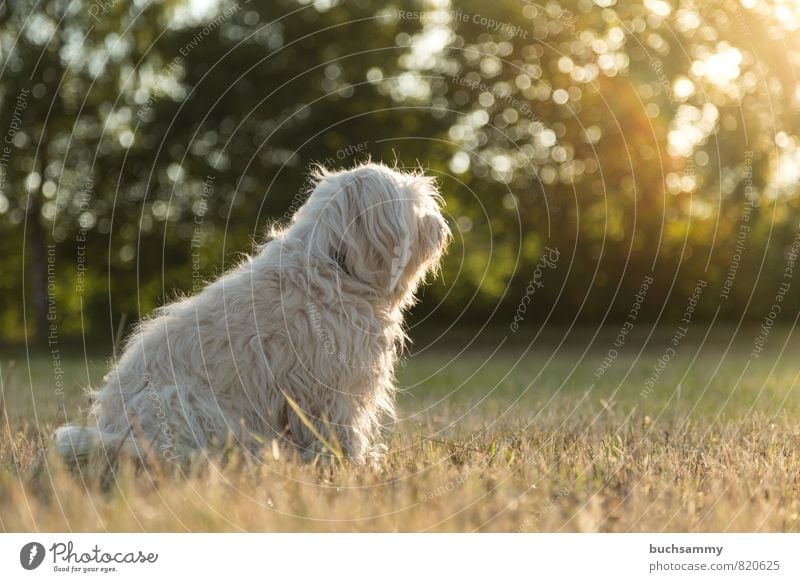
[(434, 230), (440, 221)]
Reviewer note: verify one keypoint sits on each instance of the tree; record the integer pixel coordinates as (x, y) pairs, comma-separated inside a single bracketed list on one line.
[(150, 146)]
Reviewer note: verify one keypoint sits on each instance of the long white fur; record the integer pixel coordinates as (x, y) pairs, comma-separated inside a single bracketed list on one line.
[(316, 314)]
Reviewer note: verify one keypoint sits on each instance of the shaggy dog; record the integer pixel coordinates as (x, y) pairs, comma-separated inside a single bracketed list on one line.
[(297, 344)]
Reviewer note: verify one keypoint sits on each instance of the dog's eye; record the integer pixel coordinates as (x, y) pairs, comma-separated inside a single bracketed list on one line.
[(340, 259)]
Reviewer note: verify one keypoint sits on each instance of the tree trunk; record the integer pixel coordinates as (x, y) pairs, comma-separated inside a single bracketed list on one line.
[(37, 247), (37, 266)]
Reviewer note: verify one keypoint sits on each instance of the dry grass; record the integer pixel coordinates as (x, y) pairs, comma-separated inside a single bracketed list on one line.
[(477, 451)]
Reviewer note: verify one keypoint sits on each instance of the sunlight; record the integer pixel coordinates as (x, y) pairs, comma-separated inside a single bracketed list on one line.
[(722, 67), (194, 12), (787, 14)]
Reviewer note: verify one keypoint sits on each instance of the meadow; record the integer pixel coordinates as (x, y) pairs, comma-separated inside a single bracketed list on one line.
[(493, 435)]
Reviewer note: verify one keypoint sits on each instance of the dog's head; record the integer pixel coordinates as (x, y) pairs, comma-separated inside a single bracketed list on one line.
[(379, 226)]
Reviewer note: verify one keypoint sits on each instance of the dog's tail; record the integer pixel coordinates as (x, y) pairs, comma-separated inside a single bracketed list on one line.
[(78, 443)]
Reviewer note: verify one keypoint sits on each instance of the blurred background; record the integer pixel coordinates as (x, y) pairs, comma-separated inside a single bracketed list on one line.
[(583, 148)]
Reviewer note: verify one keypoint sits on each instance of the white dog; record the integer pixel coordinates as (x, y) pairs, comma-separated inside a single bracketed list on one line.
[(297, 344)]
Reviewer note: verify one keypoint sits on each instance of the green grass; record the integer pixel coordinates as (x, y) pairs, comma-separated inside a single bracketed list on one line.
[(488, 441)]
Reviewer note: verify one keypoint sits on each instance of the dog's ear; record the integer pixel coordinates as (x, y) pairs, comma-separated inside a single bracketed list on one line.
[(376, 245)]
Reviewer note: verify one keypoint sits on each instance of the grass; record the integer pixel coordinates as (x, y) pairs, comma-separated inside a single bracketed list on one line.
[(488, 441)]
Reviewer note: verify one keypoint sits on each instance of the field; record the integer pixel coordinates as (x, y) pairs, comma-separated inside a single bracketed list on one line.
[(508, 439)]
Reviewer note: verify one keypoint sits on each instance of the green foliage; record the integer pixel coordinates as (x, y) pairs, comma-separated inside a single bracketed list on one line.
[(153, 143)]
